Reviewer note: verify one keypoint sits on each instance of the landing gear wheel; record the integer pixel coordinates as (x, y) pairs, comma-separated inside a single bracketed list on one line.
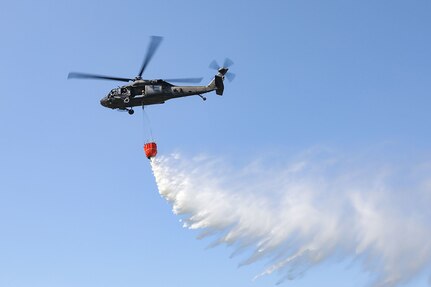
[(131, 112), (202, 97)]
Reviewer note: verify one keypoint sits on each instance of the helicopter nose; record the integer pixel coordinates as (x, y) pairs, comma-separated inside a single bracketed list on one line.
[(104, 102)]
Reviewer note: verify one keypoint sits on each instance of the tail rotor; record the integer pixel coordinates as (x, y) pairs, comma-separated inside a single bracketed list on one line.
[(223, 70)]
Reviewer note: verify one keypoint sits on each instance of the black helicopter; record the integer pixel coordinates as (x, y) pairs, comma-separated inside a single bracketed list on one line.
[(141, 92)]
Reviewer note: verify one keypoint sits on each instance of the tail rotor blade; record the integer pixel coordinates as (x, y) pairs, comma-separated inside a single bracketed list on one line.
[(214, 65), (230, 76), (152, 48), (227, 63)]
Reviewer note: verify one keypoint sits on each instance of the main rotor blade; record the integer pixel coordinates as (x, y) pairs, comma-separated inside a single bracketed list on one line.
[(152, 47), (185, 80), (74, 75)]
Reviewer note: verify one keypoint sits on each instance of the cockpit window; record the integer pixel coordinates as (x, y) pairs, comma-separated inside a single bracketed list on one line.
[(118, 91)]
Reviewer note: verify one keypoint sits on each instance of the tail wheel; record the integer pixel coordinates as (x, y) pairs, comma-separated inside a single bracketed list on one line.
[(131, 112)]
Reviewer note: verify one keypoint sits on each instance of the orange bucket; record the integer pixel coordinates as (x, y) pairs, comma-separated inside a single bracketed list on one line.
[(150, 149)]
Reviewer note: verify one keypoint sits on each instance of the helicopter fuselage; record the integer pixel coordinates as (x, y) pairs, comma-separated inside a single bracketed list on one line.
[(150, 92)]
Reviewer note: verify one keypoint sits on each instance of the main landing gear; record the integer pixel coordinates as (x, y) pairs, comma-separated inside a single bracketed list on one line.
[(130, 111)]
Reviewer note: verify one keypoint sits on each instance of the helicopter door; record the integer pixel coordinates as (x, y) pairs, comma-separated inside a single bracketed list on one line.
[(153, 89)]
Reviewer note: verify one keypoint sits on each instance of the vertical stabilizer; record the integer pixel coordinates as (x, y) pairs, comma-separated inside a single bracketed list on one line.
[(219, 85)]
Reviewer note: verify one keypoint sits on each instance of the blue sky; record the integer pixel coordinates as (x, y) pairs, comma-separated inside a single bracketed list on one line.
[(78, 203)]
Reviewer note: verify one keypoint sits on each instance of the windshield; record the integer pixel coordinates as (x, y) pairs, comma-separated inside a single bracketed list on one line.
[(115, 91)]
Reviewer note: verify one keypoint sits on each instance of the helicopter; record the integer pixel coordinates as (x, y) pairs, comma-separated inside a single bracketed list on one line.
[(142, 92)]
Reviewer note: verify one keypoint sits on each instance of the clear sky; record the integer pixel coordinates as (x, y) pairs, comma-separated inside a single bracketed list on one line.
[(78, 202)]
